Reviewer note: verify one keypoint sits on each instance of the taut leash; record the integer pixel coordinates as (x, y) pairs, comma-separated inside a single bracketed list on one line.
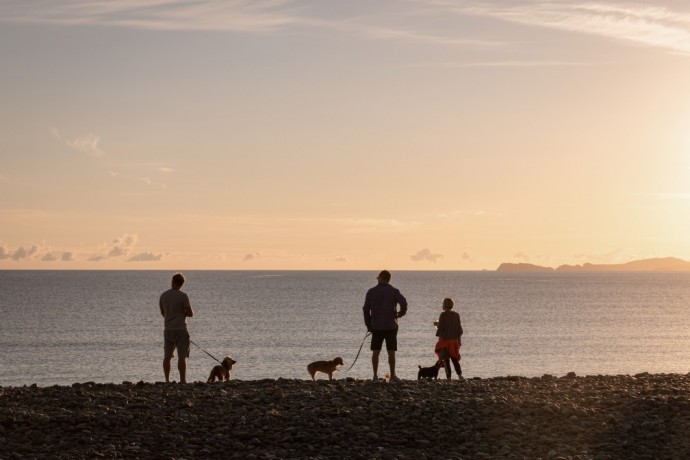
[(206, 352), (360, 350)]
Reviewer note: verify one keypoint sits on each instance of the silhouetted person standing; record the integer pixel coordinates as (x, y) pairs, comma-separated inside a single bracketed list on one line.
[(381, 318), (449, 333), (175, 308)]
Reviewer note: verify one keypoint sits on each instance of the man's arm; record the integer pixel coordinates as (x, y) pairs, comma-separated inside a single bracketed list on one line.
[(188, 309), (160, 304), (367, 313), (402, 301)]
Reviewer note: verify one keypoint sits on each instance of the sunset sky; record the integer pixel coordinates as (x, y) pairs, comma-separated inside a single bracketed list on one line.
[(399, 134)]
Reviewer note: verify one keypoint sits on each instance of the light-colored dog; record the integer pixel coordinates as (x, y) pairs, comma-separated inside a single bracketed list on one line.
[(325, 367), (221, 371)]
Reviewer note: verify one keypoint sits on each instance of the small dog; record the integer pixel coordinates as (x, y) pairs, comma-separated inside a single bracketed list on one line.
[(221, 371), (430, 372), (325, 367)]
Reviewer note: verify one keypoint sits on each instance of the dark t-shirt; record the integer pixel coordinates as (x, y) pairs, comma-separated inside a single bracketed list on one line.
[(174, 303), (380, 307)]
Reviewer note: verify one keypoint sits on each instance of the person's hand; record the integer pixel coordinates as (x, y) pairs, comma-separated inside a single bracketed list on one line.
[(436, 322), (399, 314), (369, 329)]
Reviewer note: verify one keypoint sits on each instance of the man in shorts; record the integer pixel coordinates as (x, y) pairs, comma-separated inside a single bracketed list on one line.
[(381, 318), (175, 308)]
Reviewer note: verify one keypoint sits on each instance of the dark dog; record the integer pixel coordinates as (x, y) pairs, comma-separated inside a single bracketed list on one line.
[(325, 367), (429, 372), (222, 371)]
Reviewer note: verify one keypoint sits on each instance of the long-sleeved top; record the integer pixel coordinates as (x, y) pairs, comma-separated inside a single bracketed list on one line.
[(380, 307), (449, 326)]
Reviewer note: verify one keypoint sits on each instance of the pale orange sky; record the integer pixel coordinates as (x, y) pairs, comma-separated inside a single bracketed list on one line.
[(422, 134)]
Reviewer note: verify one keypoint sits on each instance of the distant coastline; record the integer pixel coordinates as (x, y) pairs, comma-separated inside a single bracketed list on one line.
[(665, 264)]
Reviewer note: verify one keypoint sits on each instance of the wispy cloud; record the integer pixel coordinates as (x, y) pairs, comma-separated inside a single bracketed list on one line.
[(123, 245), (149, 181), (123, 248), (512, 63), (426, 255), (33, 252), (647, 25), (23, 253), (522, 256), (86, 143), (267, 16), (251, 256), (49, 257), (235, 15), (384, 33), (145, 257)]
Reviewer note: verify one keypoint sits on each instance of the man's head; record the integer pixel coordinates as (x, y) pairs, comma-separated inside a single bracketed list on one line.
[(177, 280), (384, 277)]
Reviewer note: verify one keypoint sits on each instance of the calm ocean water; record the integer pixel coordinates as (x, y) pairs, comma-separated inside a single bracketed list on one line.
[(61, 327)]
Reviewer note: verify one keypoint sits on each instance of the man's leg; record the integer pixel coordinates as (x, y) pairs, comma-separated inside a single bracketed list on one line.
[(182, 367), (391, 362), (375, 363), (166, 368)]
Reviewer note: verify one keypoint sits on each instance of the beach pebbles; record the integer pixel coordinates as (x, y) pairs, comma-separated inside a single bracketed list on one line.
[(569, 417)]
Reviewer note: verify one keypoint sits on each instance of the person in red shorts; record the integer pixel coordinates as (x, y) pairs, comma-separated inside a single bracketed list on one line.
[(449, 331)]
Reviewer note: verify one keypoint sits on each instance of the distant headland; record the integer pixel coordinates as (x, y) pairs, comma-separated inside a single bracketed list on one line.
[(665, 264)]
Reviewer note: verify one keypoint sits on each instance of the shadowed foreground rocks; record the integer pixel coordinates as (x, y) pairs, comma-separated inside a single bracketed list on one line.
[(594, 417)]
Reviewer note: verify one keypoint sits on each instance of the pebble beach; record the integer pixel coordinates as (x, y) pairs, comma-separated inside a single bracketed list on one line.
[(645, 416)]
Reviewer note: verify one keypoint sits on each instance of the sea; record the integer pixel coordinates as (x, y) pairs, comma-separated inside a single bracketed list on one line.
[(64, 327)]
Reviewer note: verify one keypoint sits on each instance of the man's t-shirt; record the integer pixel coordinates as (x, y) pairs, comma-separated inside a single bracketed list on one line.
[(380, 307), (174, 303)]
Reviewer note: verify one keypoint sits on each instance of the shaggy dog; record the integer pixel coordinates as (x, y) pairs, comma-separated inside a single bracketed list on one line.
[(430, 372), (325, 367), (222, 371)]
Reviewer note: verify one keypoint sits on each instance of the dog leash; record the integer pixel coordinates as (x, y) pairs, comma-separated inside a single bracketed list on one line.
[(360, 350), (206, 352)]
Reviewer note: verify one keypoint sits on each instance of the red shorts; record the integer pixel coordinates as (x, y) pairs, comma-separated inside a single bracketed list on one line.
[(453, 347)]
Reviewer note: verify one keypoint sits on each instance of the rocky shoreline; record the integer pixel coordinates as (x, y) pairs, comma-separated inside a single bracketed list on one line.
[(646, 416)]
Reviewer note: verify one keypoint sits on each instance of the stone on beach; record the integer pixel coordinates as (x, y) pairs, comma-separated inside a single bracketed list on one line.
[(570, 417)]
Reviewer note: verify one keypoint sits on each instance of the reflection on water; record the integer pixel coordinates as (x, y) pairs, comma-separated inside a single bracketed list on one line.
[(59, 327)]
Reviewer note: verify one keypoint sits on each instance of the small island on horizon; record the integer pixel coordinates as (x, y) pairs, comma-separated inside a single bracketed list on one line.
[(664, 264)]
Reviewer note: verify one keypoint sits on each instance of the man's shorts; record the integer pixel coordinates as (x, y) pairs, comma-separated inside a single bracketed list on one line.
[(391, 338), (176, 339)]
